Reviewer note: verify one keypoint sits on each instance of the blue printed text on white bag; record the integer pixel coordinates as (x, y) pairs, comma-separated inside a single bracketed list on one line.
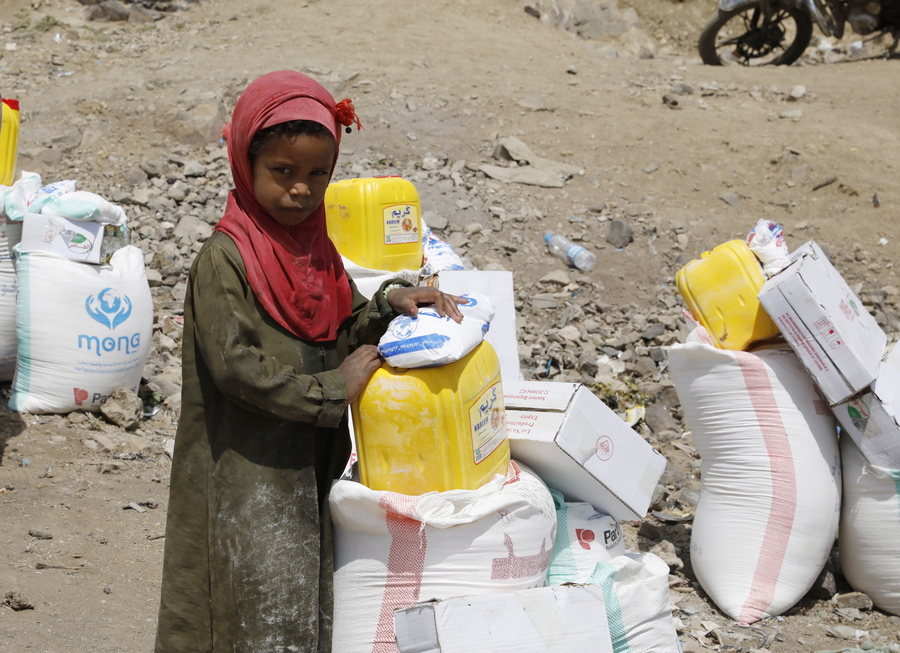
[(429, 339)]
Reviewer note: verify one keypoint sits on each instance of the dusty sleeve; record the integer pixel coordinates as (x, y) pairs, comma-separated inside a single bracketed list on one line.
[(370, 317), (227, 327)]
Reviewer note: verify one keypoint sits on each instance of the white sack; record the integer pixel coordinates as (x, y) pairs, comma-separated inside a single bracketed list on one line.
[(9, 236), (394, 550), (869, 541), (636, 592), (429, 339), (584, 537), (83, 330), (770, 475)]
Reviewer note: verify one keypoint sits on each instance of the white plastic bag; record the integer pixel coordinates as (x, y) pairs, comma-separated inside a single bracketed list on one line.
[(869, 541), (27, 195), (766, 241), (83, 330), (429, 339), (83, 205), (770, 475), (439, 255), (394, 550)]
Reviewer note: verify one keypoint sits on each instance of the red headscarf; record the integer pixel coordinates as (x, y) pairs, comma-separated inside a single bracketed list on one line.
[(295, 272)]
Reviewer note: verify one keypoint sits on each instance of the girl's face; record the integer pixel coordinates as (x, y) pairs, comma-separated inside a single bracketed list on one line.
[(290, 176)]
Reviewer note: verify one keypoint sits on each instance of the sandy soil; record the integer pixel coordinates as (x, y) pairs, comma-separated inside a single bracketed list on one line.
[(447, 78)]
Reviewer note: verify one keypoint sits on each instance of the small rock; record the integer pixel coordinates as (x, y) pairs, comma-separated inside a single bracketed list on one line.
[(654, 331), (620, 234), (123, 408), (846, 632), (797, 93), (570, 333), (856, 600), (666, 551), (731, 199), (533, 104), (825, 586), (17, 601), (114, 10), (40, 535), (671, 101), (435, 221), (792, 114), (543, 301), (557, 277)]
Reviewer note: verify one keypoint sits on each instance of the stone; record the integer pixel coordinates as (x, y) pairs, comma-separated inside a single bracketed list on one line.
[(825, 586), (731, 199), (199, 124), (123, 408), (857, 600), (105, 443), (556, 277), (658, 418), (570, 333), (798, 92), (435, 221), (653, 331), (17, 601), (543, 301), (666, 551), (620, 234), (114, 10), (140, 15)]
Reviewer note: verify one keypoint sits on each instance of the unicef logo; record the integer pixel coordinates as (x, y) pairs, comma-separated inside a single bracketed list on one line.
[(108, 307)]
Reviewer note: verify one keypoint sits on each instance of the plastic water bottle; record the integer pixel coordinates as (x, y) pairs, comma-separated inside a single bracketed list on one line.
[(571, 253)]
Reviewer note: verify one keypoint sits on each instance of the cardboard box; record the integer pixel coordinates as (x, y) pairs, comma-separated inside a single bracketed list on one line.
[(557, 619), (498, 285), (871, 419), (78, 240), (580, 447), (837, 340)]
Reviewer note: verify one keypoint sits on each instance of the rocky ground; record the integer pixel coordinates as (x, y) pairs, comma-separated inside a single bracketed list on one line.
[(664, 158)]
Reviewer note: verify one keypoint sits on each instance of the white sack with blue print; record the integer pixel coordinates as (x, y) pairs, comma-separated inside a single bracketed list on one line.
[(83, 330), (429, 339)]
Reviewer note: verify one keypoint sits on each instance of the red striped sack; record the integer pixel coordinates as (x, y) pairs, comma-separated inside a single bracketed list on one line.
[(394, 550), (770, 486)]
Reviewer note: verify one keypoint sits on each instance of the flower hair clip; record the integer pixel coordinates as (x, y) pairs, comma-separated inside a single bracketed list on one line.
[(346, 114)]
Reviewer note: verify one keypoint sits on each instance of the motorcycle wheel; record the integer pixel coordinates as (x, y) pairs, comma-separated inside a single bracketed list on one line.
[(739, 36)]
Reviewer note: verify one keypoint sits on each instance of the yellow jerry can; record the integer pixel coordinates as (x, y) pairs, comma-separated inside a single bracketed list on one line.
[(720, 290), (376, 222), (432, 429)]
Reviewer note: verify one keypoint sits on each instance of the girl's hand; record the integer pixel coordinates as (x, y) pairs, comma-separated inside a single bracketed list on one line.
[(358, 368), (407, 300)]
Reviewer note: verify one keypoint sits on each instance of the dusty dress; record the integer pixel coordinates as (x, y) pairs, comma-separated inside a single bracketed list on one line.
[(262, 433)]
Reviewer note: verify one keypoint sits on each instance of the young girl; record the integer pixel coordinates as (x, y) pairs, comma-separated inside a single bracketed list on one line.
[(277, 342)]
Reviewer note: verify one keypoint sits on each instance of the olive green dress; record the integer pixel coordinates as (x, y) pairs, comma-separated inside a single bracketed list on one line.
[(263, 432)]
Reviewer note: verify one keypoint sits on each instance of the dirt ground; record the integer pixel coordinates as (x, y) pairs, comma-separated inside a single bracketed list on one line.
[(448, 78)]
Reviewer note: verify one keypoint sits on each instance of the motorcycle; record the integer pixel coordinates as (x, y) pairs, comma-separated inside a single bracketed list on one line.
[(776, 32)]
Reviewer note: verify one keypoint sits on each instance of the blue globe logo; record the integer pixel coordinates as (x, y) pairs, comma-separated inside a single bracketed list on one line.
[(108, 307)]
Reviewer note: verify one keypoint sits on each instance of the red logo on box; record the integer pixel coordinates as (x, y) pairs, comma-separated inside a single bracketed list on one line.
[(604, 447)]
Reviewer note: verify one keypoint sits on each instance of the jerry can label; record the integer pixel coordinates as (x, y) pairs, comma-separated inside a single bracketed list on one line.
[(401, 224), (488, 419)]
